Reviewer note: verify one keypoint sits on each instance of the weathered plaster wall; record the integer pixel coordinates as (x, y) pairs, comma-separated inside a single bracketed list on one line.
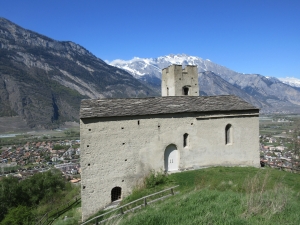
[(121, 151)]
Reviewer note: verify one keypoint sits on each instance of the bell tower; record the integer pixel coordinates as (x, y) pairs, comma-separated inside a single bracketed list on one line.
[(180, 82)]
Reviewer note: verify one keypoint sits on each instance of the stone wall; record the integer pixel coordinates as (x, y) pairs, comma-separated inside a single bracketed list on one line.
[(120, 151), (174, 79)]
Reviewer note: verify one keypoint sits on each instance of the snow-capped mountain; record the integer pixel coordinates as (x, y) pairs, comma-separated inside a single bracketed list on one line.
[(267, 93), (153, 66), (291, 81)]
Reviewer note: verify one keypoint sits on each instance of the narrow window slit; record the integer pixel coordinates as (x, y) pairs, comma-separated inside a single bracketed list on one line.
[(185, 140), (228, 134)]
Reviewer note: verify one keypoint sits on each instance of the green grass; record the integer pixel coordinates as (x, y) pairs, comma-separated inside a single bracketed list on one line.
[(71, 217), (211, 207), (267, 127), (223, 195)]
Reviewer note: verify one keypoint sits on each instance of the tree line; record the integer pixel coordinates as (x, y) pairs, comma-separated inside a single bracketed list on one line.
[(21, 201)]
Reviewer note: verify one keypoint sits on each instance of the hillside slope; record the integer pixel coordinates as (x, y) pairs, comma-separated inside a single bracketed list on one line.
[(224, 195), (212, 84), (43, 80)]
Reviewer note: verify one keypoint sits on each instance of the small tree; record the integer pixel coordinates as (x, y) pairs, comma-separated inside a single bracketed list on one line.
[(20, 215)]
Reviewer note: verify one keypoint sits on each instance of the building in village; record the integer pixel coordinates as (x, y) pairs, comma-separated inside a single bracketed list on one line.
[(123, 139)]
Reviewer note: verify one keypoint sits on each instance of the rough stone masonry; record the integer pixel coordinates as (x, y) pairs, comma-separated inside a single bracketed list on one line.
[(123, 139)]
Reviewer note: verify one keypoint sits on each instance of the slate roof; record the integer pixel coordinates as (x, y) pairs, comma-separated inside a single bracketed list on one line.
[(91, 108)]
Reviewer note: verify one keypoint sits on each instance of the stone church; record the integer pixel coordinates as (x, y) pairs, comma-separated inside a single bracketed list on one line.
[(123, 139)]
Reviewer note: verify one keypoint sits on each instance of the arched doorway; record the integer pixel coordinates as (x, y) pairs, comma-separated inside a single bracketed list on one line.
[(171, 158), (116, 193)]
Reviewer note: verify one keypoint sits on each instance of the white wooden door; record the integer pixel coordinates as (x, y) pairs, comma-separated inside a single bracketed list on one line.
[(171, 158)]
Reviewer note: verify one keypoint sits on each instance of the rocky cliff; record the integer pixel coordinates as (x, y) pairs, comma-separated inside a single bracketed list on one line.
[(43, 80), (257, 93)]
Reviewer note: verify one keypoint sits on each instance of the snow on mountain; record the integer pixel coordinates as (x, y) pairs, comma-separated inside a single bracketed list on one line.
[(294, 82), (137, 66), (153, 66), (268, 93)]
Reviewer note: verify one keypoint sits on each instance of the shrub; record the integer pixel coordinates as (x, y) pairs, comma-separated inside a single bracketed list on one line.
[(61, 147), (19, 215), (155, 178)]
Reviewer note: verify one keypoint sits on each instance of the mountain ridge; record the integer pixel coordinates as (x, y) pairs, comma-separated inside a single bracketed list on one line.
[(267, 93), (43, 80)]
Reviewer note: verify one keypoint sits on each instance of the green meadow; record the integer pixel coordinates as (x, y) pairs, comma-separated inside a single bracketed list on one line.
[(221, 195)]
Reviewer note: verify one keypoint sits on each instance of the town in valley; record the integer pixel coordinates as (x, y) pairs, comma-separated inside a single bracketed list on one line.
[(27, 153)]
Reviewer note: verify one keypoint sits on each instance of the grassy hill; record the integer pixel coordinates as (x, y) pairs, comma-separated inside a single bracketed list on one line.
[(219, 195), (223, 195)]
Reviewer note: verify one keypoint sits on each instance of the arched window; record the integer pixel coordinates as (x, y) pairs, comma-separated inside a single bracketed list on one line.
[(185, 139), (228, 134), (116, 193), (185, 90)]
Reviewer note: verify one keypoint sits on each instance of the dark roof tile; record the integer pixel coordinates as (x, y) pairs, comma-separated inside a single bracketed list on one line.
[(160, 105)]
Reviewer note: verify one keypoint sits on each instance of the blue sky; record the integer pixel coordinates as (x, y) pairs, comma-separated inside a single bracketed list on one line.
[(248, 36)]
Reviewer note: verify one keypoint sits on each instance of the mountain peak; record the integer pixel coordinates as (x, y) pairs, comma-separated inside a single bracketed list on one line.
[(153, 66), (267, 93)]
